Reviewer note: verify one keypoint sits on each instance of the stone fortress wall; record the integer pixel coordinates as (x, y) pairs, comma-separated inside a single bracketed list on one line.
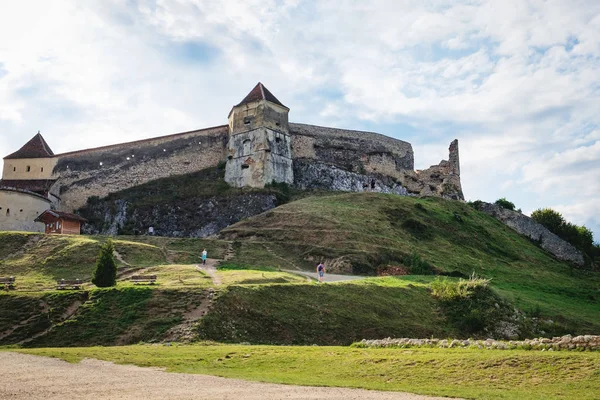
[(310, 157), (103, 170)]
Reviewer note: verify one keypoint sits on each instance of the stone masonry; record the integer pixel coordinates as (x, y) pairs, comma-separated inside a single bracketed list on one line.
[(548, 241), (258, 145)]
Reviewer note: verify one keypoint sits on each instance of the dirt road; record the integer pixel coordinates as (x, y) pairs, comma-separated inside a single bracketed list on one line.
[(30, 377)]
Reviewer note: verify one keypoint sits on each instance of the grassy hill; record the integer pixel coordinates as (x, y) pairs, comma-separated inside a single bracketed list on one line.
[(367, 233), (370, 234)]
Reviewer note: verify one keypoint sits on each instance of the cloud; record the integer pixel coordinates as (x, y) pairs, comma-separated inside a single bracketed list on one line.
[(515, 81)]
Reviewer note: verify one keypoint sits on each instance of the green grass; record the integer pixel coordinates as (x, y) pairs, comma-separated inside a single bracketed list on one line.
[(324, 314), (372, 231), (122, 316), (253, 277), (175, 276), (466, 373), (38, 261)]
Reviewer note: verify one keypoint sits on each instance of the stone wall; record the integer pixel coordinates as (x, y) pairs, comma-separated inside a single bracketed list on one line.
[(353, 151), (312, 175), (354, 159), (526, 226), (100, 171), (19, 209)]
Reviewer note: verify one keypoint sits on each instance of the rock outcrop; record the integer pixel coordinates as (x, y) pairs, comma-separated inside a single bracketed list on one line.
[(192, 217), (537, 232)]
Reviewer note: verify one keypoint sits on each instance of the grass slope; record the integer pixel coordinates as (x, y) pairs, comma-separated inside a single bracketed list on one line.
[(466, 373), (38, 261), (369, 231), (324, 314)]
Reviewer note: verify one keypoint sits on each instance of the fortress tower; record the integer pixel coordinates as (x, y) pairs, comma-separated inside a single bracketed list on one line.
[(259, 150)]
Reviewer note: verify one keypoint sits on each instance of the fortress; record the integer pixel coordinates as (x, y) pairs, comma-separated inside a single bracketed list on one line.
[(258, 146)]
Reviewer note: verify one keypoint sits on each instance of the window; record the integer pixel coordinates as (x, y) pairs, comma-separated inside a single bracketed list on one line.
[(28, 168), (14, 169), (8, 212), (42, 169), (247, 120), (277, 140), (21, 210), (246, 149), (244, 166)]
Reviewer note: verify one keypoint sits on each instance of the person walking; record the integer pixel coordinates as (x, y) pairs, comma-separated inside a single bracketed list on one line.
[(204, 255), (321, 271)]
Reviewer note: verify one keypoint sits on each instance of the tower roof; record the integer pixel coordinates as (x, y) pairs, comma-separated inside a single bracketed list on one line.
[(35, 148), (260, 92)]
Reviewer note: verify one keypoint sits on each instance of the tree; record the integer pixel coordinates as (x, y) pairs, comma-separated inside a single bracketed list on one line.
[(105, 274), (553, 220), (505, 204)]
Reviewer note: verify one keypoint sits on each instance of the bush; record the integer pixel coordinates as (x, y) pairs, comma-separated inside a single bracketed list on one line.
[(471, 305), (551, 219), (579, 236), (415, 265), (505, 204), (105, 274)]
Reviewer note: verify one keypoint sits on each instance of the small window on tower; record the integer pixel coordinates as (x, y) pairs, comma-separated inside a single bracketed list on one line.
[(42, 169), (277, 140), (14, 169), (28, 168), (8, 212), (244, 166), (247, 120)]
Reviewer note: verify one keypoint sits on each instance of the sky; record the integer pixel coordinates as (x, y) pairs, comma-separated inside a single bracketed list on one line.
[(517, 82)]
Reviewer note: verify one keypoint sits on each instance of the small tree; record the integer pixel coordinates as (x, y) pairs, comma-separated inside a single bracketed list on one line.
[(105, 274), (505, 204), (553, 220)]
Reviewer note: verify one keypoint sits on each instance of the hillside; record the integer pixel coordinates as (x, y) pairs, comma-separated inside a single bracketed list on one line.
[(367, 233), (249, 300)]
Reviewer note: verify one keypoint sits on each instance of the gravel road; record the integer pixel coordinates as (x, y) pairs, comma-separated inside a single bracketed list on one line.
[(29, 377)]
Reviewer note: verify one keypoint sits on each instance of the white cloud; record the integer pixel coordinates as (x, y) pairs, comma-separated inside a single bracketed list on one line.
[(516, 81)]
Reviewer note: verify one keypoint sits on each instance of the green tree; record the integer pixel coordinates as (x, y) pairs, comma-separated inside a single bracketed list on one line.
[(105, 274), (553, 220), (505, 204)]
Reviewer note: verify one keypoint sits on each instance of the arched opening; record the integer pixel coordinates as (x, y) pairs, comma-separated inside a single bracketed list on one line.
[(8, 212)]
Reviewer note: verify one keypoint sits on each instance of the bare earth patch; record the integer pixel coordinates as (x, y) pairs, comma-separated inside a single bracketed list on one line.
[(31, 377)]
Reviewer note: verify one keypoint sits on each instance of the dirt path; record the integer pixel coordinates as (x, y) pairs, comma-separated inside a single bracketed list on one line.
[(328, 277), (211, 269), (30, 377)]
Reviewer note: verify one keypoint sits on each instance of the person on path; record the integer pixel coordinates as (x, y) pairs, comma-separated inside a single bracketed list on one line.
[(321, 271), (204, 255)]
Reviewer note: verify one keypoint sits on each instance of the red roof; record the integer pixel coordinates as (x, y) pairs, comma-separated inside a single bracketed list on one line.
[(260, 92), (33, 185), (35, 148), (60, 214)]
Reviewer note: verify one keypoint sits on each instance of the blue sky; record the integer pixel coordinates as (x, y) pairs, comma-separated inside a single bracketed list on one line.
[(517, 82)]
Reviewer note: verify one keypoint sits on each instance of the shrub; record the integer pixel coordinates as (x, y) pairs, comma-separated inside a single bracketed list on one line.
[(505, 204), (579, 236), (475, 204), (415, 265), (105, 274), (551, 219)]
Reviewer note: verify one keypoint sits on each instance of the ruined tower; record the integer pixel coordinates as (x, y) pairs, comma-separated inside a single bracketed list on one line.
[(259, 150)]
